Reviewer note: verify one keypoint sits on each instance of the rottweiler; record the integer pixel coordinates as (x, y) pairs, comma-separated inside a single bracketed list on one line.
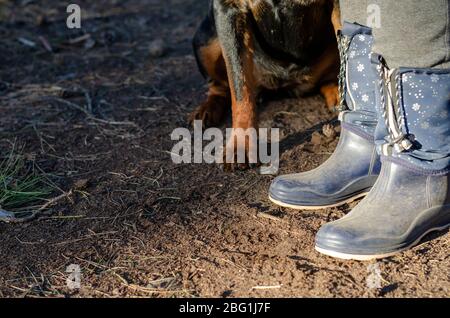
[(245, 46)]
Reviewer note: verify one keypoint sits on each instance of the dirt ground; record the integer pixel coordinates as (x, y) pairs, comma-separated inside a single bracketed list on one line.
[(95, 108)]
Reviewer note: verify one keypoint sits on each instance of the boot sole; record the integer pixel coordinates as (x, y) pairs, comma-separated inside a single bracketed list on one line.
[(318, 207), (362, 257)]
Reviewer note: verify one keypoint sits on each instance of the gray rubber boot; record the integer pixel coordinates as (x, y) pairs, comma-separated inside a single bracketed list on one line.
[(412, 195), (355, 165)]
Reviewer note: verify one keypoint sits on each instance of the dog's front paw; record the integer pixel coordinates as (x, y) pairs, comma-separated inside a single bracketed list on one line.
[(241, 150)]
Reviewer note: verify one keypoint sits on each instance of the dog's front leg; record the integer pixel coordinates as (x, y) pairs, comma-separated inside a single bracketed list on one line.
[(235, 36)]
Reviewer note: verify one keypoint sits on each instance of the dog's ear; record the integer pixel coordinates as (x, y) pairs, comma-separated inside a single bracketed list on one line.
[(336, 16)]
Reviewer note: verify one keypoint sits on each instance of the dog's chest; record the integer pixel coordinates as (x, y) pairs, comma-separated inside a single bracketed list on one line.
[(291, 27)]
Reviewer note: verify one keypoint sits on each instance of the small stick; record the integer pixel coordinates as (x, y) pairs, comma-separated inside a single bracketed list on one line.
[(46, 44), (269, 216), (267, 287), (54, 200), (88, 100)]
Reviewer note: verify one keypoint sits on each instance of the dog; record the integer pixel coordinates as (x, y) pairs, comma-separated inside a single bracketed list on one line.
[(245, 46)]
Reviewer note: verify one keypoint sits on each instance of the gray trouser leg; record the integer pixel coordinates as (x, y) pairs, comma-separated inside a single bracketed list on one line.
[(409, 33)]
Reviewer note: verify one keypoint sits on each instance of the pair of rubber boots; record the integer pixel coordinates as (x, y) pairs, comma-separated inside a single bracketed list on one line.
[(394, 148)]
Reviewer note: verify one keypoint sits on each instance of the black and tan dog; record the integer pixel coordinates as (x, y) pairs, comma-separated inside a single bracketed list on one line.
[(244, 46)]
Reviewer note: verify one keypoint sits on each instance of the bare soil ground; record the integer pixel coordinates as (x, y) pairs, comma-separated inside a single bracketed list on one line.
[(96, 112)]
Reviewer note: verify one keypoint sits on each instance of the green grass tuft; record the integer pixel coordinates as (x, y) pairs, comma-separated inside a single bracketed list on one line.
[(21, 186)]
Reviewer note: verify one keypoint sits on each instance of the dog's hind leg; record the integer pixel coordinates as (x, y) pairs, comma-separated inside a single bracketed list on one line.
[(211, 63), (324, 69), (213, 110), (336, 16), (324, 73), (330, 92)]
